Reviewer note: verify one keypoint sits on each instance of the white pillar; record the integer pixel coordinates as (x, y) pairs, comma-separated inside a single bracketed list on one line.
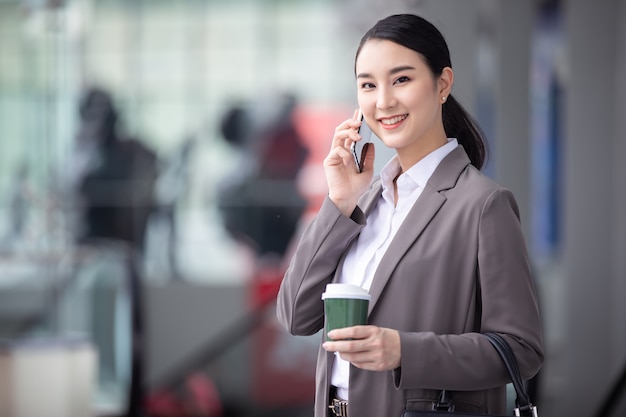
[(594, 208), (513, 24), (619, 195)]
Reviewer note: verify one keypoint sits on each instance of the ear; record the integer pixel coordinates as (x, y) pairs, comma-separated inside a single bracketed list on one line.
[(445, 81)]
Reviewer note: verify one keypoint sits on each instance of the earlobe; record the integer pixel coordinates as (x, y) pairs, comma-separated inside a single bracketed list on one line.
[(446, 79)]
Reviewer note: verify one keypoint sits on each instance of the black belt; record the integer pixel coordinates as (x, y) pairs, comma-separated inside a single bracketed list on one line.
[(338, 406)]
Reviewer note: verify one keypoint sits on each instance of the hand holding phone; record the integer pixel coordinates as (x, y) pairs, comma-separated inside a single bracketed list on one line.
[(359, 148)]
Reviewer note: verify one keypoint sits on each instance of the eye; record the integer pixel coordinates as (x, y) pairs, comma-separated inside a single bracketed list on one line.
[(402, 79), (367, 86)]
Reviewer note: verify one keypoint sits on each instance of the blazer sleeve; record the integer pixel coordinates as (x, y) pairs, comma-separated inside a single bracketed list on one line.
[(300, 309), (508, 293), (467, 362)]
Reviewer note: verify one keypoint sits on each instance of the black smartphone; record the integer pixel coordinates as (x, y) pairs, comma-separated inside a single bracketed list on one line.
[(359, 148)]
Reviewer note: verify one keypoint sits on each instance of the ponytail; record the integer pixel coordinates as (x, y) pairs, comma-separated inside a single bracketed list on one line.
[(459, 124)]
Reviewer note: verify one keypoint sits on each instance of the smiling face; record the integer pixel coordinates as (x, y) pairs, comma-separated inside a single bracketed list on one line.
[(401, 98)]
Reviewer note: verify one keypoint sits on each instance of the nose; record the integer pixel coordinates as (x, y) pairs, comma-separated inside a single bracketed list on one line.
[(385, 99)]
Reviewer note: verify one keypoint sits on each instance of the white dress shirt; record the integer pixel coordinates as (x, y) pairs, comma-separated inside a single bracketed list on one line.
[(382, 225)]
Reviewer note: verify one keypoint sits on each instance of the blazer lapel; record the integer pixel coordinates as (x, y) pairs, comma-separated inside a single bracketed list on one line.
[(425, 208)]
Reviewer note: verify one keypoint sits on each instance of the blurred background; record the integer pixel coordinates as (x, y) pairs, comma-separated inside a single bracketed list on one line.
[(158, 159)]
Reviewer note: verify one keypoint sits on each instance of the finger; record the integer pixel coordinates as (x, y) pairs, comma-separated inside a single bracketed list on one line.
[(345, 347), (348, 124), (338, 156), (346, 133), (349, 141), (370, 154), (352, 332)]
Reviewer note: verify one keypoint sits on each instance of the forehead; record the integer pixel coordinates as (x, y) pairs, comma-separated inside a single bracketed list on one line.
[(381, 54)]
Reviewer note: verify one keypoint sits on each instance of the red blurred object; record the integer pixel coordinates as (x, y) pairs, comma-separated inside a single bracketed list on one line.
[(199, 398), (316, 126), (282, 366)]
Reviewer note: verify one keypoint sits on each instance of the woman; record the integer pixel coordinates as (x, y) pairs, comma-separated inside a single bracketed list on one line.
[(437, 244)]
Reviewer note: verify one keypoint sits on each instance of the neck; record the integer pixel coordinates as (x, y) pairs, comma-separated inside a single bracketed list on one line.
[(409, 157)]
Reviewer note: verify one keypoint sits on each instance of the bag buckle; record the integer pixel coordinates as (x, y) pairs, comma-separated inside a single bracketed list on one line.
[(533, 411), (444, 403)]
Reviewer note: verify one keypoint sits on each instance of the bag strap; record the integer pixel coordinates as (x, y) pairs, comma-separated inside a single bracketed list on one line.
[(522, 402)]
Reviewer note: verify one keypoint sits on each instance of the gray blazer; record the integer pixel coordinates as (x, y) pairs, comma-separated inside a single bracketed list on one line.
[(457, 267)]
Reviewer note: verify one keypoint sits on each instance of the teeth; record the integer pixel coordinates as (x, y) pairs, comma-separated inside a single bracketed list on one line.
[(393, 120)]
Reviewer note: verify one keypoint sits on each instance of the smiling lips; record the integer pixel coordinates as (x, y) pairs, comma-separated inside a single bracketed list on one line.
[(392, 122)]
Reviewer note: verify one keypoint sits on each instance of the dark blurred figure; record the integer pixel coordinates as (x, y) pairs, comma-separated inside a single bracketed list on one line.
[(114, 179), (116, 175), (259, 201)]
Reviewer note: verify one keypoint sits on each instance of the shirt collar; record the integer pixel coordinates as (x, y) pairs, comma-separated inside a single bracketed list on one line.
[(417, 175)]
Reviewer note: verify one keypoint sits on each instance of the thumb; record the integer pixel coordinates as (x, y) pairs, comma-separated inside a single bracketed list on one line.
[(368, 161)]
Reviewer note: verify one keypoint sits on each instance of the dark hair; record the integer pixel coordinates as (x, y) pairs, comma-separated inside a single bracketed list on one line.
[(423, 37)]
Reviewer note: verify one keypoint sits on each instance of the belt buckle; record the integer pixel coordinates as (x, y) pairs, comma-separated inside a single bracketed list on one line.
[(339, 408)]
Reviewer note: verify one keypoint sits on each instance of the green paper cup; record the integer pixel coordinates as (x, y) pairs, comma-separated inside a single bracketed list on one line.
[(345, 305)]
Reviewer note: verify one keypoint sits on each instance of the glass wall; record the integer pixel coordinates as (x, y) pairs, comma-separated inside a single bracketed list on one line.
[(173, 68)]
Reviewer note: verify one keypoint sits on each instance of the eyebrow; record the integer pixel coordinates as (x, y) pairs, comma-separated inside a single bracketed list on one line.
[(392, 71)]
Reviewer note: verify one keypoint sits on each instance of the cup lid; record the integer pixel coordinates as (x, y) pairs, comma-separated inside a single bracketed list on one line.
[(337, 290)]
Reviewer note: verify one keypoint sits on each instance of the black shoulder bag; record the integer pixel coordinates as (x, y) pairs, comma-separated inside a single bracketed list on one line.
[(444, 407)]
